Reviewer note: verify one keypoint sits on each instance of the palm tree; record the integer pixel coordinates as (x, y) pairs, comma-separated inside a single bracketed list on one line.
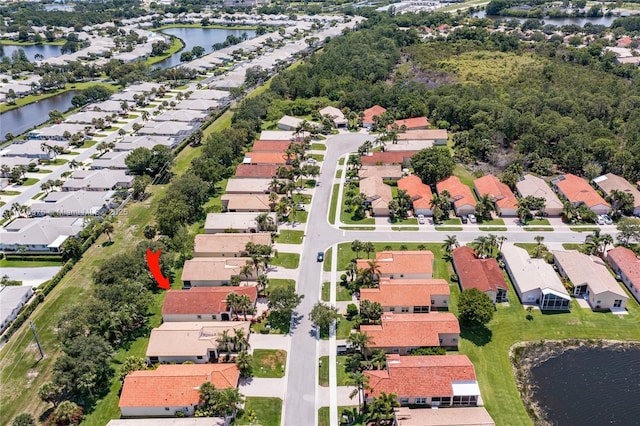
[(569, 212), (233, 303), (246, 270), (107, 228), (450, 243), (244, 361), (538, 239), (261, 283), (374, 269), (74, 164), (240, 341), (224, 342), (501, 240), (383, 407), (352, 271), (492, 241), (379, 359), (369, 247), (361, 383), (357, 246), (359, 342)]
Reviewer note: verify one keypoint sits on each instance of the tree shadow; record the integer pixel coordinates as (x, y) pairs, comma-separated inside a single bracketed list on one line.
[(479, 336), (107, 243), (45, 414)]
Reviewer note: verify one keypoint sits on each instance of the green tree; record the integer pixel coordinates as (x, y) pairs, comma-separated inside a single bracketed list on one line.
[(149, 231), (628, 230), (244, 361), (131, 364), (360, 342), (538, 239), (356, 246), (50, 393), (360, 382), (24, 419), (282, 301), (323, 315), (474, 307), (67, 413), (433, 164), (370, 312)]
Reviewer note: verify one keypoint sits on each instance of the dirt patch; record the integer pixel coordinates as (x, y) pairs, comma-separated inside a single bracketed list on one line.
[(273, 360)]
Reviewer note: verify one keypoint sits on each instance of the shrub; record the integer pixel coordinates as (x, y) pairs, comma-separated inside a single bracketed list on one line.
[(352, 310)]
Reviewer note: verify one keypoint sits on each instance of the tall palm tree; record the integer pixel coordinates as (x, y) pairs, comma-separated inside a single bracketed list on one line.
[(244, 361), (538, 239), (224, 342), (356, 245), (246, 271), (383, 407), (481, 246), (501, 240), (369, 247), (240, 340), (261, 283), (492, 241), (379, 359), (450, 243), (361, 383), (360, 342), (374, 269)]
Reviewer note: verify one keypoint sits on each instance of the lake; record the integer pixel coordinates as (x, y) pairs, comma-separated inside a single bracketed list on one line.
[(46, 50), (603, 20), (590, 386), (19, 120), (204, 37)]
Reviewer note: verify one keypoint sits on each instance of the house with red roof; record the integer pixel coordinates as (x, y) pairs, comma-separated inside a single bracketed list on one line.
[(401, 333), (626, 264), (483, 274), (578, 191), (270, 146), (250, 171), (413, 264), (202, 303), (172, 389), (415, 123), (388, 157), (460, 195), (368, 119), (266, 157), (403, 296), (420, 194), (503, 198), (433, 380)]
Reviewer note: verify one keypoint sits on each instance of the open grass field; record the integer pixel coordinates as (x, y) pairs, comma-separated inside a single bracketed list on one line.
[(286, 260), (269, 363), (490, 67), (287, 236), (267, 410)]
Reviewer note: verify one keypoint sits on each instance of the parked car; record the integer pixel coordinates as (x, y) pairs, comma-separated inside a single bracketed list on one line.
[(607, 219), (421, 219), (600, 220), (312, 161), (299, 207), (472, 218), (464, 218), (320, 256)]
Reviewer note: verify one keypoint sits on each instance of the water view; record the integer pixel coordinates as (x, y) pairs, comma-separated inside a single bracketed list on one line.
[(21, 119), (603, 20), (590, 386), (204, 37), (46, 50)]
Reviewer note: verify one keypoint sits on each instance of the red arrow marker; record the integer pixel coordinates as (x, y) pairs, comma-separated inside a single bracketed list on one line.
[(153, 260)]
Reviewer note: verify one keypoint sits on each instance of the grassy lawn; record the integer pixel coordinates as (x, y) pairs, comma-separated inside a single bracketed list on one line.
[(286, 260), (326, 265), (452, 221), (280, 282), (407, 221), (300, 217), (539, 222), (538, 229), (338, 174), (405, 228), (465, 176), (317, 157), (318, 147), (176, 46), (532, 248), (493, 228), (302, 198), (584, 228), (344, 328), (572, 246), (29, 181), (342, 293), (449, 228), (44, 171), (496, 221), (323, 413), (9, 193), (334, 202), (4, 263), (287, 236), (269, 363), (268, 411), (57, 162), (341, 161), (341, 373)]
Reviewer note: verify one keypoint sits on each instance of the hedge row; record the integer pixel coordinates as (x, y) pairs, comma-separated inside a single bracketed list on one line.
[(34, 257)]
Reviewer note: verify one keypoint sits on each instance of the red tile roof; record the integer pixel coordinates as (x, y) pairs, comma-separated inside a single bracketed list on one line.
[(270, 146), (175, 385), (418, 191), (411, 330), (374, 111), (577, 190), (627, 261), (413, 123), (483, 274), (460, 193), (498, 191), (420, 376), (202, 300), (387, 157), (401, 262), (257, 170), (405, 292), (263, 157)]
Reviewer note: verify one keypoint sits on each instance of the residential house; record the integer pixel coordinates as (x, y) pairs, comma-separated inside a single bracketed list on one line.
[(168, 128), (289, 123), (214, 271), (87, 117), (378, 158), (410, 264), (172, 390), (626, 264), (370, 114), (111, 160), (56, 132), (420, 194), (248, 186), (98, 180), (251, 171), (378, 195), (459, 416), (504, 201), (335, 115), (43, 234), (227, 245), (578, 191), (534, 280), (530, 185), (415, 123), (107, 106), (31, 149), (76, 203), (202, 303), (461, 197), (386, 172), (277, 135), (483, 274), (199, 104), (246, 203), (12, 299), (401, 333), (412, 296), (183, 115), (129, 143), (591, 279), (217, 223), (220, 95), (265, 157), (270, 146), (610, 182), (197, 342), (175, 421), (419, 139), (432, 380)]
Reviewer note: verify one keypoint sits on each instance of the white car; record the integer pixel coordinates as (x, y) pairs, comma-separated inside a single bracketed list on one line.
[(600, 220), (607, 219), (311, 161), (472, 218), (421, 219)]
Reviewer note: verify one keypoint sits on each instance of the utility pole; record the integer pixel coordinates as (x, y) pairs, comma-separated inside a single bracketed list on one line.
[(35, 334)]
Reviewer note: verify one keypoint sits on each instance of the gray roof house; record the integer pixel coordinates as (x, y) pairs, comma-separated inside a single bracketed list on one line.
[(534, 186), (336, 116), (39, 234), (610, 182), (31, 149), (199, 104), (12, 299), (56, 131), (248, 186), (76, 203), (111, 160), (98, 180), (86, 117), (167, 128), (129, 143), (184, 115), (234, 222), (534, 280)]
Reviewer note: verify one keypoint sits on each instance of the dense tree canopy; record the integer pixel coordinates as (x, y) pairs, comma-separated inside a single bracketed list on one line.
[(433, 164), (474, 307)]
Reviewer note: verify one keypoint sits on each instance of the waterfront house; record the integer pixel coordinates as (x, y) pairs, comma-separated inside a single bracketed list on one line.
[(482, 274), (414, 264), (626, 264)]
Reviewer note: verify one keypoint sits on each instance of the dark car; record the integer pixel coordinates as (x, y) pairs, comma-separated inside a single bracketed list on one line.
[(464, 218), (320, 256)]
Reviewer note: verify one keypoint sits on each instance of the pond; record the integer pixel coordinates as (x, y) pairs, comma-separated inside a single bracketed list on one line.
[(603, 20), (46, 50), (204, 37), (19, 120), (590, 386)]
